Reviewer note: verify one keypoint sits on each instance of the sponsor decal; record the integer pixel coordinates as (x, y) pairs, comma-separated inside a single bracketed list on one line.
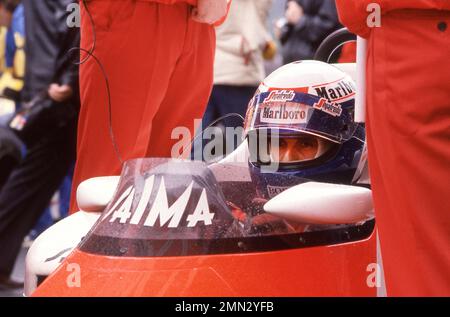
[(333, 109), (160, 213), (280, 96), (340, 90), (283, 113), (275, 190)]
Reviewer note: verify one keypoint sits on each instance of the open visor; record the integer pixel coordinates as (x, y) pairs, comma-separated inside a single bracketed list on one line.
[(297, 148), (294, 111)]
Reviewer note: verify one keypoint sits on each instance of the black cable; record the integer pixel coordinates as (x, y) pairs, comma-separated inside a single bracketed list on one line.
[(94, 35), (90, 53)]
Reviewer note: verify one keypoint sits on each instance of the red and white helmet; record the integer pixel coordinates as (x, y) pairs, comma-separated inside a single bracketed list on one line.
[(301, 99), (325, 90)]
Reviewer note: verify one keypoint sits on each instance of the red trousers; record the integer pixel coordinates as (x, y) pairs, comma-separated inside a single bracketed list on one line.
[(408, 129), (159, 65)]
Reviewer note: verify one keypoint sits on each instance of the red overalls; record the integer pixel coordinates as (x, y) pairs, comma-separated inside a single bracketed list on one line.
[(159, 64), (408, 130)]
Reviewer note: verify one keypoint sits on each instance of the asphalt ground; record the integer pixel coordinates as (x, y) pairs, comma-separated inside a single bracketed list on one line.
[(18, 274)]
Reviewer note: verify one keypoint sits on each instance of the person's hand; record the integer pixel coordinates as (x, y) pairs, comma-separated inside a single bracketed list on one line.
[(266, 219), (60, 93), (270, 50), (294, 12), (209, 11)]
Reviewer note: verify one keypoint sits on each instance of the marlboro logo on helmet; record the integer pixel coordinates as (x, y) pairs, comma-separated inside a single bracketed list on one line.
[(338, 91), (303, 112), (283, 113)]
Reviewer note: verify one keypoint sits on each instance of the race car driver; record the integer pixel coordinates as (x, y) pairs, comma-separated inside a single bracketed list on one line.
[(301, 118), (157, 56), (408, 136)]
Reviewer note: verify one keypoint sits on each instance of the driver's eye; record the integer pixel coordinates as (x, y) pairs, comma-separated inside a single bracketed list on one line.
[(282, 143), (306, 143)]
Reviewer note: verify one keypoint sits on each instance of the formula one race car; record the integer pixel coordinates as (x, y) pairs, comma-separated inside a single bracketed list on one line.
[(174, 228), (169, 227)]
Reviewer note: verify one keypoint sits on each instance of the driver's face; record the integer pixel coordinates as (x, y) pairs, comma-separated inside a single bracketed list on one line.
[(294, 149)]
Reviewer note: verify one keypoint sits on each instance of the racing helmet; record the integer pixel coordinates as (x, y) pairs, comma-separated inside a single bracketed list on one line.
[(300, 127)]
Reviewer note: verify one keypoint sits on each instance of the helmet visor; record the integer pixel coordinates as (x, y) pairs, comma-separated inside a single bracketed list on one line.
[(301, 112)]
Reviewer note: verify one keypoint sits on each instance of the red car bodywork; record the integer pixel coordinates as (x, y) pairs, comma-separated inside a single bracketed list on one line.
[(218, 258)]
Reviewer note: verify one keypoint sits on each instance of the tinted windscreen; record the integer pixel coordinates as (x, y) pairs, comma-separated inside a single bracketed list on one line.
[(166, 207)]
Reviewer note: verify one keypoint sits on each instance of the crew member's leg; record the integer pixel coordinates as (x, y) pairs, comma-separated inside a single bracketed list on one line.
[(226, 100), (139, 44), (29, 190), (409, 150), (235, 99), (188, 92)]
